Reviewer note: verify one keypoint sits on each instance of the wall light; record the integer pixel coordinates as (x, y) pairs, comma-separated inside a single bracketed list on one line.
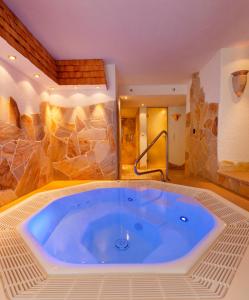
[(176, 116), (11, 57), (239, 80), (37, 75), (142, 104)]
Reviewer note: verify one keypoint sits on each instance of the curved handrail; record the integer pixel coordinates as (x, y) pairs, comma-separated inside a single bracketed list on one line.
[(163, 178)]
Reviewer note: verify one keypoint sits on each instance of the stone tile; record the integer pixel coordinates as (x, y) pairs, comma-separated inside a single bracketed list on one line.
[(57, 175), (91, 157), (8, 151), (79, 124), (7, 179), (27, 124), (93, 134), (23, 151), (201, 147), (57, 149), (36, 118), (90, 172), (84, 145), (111, 138), (213, 109), (108, 164), (67, 114), (39, 133), (71, 166), (59, 143), (229, 166), (10, 132), (62, 132), (109, 115), (244, 189), (30, 179), (101, 150), (208, 124), (73, 148), (98, 123), (14, 114), (46, 169), (19, 171)]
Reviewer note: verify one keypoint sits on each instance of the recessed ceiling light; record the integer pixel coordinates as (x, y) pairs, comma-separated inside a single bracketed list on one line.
[(12, 57), (37, 75), (142, 104)]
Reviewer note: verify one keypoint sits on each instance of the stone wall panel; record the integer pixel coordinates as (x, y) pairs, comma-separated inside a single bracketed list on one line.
[(201, 134), (201, 145), (59, 143)]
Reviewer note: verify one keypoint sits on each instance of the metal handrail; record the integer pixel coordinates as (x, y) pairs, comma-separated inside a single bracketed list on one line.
[(163, 178)]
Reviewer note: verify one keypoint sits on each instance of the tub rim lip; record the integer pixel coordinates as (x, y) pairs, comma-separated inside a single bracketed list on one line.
[(182, 265)]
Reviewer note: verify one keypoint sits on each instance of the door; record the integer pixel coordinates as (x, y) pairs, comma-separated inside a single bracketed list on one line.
[(156, 122)]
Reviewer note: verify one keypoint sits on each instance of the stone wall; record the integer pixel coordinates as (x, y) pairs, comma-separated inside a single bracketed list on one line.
[(201, 145), (58, 143), (234, 176), (201, 134)]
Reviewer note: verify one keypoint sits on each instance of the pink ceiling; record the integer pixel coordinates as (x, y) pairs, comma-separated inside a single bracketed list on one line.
[(150, 41)]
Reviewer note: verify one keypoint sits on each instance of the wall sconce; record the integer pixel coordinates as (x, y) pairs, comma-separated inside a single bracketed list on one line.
[(239, 81), (176, 116)]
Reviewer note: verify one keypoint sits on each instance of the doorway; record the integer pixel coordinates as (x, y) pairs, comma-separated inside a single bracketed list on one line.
[(157, 119), (141, 119)]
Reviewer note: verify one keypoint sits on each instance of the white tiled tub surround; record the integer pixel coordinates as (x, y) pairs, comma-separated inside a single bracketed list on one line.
[(211, 277), (182, 265)]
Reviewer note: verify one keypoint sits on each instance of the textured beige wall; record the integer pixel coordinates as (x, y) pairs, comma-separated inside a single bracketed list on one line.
[(201, 145), (57, 143), (201, 134)]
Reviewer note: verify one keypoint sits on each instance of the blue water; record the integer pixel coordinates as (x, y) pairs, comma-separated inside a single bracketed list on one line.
[(121, 225)]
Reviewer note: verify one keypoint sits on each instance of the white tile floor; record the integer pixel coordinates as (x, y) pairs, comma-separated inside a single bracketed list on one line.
[(198, 283)]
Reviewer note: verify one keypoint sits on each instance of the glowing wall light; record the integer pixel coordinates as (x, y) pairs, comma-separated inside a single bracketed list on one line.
[(239, 80)]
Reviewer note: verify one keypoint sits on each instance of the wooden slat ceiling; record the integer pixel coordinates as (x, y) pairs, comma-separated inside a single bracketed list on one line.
[(63, 72)]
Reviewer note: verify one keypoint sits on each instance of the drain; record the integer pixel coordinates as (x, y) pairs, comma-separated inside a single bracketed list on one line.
[(130, 199), (184, 219), (121, 244)]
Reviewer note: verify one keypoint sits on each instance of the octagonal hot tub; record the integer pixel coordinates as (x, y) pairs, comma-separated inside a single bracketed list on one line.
[(121, 229)]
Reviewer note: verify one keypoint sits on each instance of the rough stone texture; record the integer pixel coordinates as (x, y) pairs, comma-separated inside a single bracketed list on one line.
[(14, 114), (201, 134), (7, 179), (235, 182), (234, 176), (201, 145), (60, 143), (229, 166)]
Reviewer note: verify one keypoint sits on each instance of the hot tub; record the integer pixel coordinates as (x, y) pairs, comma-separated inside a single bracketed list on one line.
[(120, 228)]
